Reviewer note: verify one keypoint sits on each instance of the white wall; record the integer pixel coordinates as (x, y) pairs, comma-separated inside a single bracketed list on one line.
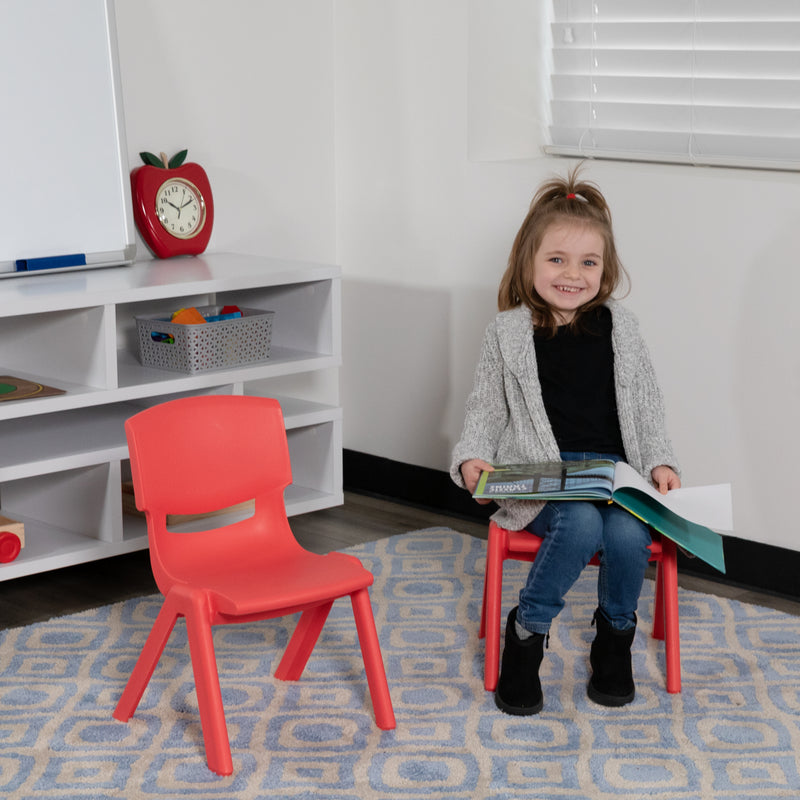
[(247, 87), (425, 88)]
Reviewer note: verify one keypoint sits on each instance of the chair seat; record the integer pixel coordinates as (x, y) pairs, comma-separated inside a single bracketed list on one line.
[(277, 586)]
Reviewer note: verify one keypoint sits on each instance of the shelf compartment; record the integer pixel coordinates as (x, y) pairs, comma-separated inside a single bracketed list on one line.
[(76, 396), (314, 435), (71, 346), (49, 547), (315, 452), (307, 315), (305, 332), (63, 440), (298, 413), (69, 516), (80, 500), (303, 500)]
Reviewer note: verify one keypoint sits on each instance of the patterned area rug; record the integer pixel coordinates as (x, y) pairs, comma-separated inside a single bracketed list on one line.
[(733, 732)]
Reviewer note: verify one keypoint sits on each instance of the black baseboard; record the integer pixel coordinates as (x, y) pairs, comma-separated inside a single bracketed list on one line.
[(762, 567), (421, 487)]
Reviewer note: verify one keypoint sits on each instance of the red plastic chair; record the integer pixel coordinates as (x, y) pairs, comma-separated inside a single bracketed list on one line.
[(202, 454), (523, 546)]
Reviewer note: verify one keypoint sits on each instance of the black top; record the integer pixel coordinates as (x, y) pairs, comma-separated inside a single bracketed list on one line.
[(576, 372)]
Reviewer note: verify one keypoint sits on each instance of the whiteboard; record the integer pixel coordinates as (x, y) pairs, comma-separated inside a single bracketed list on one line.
[(64, 180)]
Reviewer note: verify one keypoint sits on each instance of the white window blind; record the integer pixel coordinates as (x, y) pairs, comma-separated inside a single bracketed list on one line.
[(692, 81)]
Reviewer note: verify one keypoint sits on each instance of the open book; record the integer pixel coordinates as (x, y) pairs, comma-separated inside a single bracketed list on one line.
[(690, 516)]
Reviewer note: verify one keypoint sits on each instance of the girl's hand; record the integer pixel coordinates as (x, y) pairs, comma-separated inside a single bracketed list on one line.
[(665, 478), (471, 473)]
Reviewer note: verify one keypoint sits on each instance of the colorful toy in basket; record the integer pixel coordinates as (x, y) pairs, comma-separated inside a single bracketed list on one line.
[(188, 316), (191, 316)]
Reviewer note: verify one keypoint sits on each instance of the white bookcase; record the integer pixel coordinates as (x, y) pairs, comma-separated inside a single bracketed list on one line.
[(63, 458)]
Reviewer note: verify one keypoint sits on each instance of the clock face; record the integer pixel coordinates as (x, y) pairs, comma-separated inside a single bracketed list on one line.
[(180, 208)]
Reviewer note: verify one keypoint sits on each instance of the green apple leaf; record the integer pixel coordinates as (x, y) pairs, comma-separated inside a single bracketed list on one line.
[(151, 160), (177, 159)]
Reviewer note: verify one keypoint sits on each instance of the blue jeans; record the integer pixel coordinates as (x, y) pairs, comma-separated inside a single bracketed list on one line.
[(572, 531)]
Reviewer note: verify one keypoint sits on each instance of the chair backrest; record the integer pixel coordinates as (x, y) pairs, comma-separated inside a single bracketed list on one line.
[(196, 455)]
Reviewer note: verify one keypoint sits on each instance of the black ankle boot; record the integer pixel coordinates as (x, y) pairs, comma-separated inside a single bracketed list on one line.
[(519, 690), (611, 683)]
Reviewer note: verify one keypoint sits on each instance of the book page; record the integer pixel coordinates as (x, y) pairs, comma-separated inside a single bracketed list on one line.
[(549, 480), (705, 505)]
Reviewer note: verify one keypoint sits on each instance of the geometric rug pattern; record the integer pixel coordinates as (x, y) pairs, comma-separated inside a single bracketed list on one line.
[(733, 732)]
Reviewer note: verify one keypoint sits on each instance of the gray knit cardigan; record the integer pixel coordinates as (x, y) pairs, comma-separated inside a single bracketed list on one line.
[(506, 421)]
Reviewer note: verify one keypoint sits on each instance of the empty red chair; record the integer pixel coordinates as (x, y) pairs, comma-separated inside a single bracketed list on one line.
[(202, 454), (523, 546)]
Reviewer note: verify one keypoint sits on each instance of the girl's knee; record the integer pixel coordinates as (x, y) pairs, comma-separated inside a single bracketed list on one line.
[(625, 533), (579, 514), (574, 525), (580, 519)]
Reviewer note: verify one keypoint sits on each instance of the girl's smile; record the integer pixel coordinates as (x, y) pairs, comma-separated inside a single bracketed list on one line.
[(568, 268)]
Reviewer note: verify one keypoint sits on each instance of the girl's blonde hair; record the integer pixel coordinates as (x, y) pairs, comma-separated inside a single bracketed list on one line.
[(559, 201)]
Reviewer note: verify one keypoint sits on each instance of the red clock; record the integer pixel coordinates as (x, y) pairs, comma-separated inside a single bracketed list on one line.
[(172, 205)]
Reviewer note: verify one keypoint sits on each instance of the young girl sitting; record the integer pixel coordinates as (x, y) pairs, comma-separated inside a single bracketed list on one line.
[(565, 375)]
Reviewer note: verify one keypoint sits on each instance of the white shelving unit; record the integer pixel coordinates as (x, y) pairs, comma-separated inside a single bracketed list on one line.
[(63, 458)]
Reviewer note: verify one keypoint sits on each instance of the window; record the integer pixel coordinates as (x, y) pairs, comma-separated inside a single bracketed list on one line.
[(693, 81)]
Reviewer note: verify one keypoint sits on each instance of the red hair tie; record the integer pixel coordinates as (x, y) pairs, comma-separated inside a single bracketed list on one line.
[(573, 196)]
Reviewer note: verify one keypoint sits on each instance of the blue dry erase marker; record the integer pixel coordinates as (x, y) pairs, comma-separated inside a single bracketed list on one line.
[(50, 262)]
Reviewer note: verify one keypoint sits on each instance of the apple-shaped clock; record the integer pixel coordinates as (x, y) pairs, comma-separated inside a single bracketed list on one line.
[(172, 205)]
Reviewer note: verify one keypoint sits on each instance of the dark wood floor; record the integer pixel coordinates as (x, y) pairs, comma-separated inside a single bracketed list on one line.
[(362, 518)]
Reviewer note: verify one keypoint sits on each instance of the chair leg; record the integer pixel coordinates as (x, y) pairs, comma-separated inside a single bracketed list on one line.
[(373, 661), (482, 626), (669, 591), (658, 603), (147, 661), (493, 593), (209, 694), (305, 636)]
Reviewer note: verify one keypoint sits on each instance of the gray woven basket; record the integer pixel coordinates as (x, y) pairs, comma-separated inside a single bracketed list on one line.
[(214, 345)]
